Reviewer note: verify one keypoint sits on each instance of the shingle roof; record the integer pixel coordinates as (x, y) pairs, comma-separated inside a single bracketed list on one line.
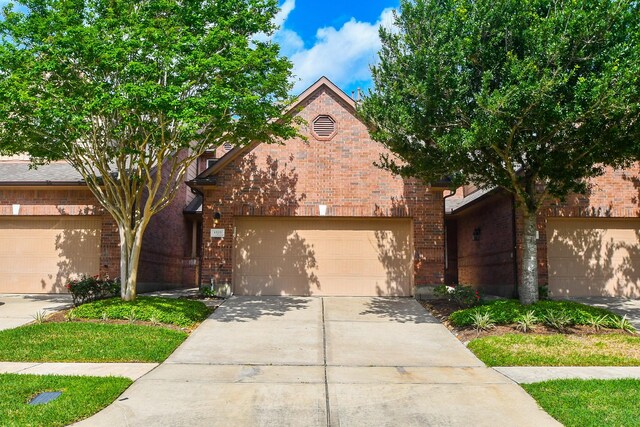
[(15, 173)]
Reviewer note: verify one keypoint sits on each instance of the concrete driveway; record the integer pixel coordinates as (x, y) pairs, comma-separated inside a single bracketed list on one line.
[(19, 309), (283, 361)]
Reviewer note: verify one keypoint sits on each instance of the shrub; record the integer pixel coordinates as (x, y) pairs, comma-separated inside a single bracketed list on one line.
[(623, 324), (92, 288), (482, 321), (558, 319), (507, 312), (526, 321), (173, 311), (464, 296)]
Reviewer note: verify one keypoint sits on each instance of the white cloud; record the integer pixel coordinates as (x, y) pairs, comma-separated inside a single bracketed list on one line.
[(343, 55)]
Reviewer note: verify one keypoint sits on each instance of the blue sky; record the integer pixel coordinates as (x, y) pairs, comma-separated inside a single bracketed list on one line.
[(337, 39)]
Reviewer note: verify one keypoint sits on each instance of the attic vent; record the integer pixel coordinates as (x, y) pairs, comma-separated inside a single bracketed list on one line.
[(324, 126), (227, 146)]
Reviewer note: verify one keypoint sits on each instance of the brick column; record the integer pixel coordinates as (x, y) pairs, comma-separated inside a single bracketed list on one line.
[(427, 210), (217, 252)]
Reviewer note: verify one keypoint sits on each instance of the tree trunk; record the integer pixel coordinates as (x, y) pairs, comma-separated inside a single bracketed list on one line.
[(529, 284), (130, 246)]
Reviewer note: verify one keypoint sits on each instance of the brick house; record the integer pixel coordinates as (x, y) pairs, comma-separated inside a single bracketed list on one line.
[(315, 216), (52, 228), (588, 245)]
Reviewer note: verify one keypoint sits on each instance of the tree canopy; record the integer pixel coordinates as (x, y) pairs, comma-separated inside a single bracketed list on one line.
[(130, 92), (532, 96)]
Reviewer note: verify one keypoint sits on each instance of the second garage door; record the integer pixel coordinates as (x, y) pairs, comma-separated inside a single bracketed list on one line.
[(594, 257), (295, 256), (38, 254)]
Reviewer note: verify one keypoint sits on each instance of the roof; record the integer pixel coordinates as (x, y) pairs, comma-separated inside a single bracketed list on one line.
[(56, 173), (453, 205)]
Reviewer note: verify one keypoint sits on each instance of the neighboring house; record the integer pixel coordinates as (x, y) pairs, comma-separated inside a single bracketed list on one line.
[(53, 228), (315, 216), (588, 245), (311, 216)]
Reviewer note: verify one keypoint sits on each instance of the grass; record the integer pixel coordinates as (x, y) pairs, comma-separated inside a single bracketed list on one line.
[(173, 311), (506, 312), (81, 397), (586, 403), (558, 350), (88, 342)]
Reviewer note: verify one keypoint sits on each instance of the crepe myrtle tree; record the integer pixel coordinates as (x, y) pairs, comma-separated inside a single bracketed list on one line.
[(130, 92), (533, 96)]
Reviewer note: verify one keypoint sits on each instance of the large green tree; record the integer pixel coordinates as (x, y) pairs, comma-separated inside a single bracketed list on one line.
[(130, 92), (533, 96)]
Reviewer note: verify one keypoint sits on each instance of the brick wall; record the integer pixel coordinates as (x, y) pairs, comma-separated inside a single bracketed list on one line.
[(485, 245), (293, 179), (616, 194), (166, 245)]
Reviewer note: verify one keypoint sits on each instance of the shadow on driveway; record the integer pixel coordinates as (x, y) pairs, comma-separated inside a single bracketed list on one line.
[(246, 309), (398, 310)]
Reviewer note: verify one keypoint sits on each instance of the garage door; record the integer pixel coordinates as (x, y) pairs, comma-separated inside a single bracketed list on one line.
[(318, 256), (38, 254), (594, 257)]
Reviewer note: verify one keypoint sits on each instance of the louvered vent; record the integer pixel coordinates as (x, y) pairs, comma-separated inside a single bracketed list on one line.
[(324, 126), (227, 146)]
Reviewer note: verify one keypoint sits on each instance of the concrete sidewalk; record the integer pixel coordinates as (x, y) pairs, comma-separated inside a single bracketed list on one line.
[(534, 374), (20, 309), (128, 370), (322, 361)]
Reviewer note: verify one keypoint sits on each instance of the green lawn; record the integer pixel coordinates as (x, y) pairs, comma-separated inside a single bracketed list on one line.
[(81, 397), (179, 312), (88, 342), (585, 403), (558, 350)]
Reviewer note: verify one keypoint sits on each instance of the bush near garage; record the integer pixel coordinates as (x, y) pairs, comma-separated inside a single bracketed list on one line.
[(92, 288), (506, 312)]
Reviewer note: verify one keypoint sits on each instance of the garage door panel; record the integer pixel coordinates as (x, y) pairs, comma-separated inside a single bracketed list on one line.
[(296, 256), (594, 257), (38, 254)]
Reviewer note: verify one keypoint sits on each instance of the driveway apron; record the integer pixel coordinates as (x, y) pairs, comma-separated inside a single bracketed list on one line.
[(343, 361)]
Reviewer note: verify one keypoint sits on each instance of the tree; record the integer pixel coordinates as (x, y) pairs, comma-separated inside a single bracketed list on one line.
[(130, 92), (533, 96)]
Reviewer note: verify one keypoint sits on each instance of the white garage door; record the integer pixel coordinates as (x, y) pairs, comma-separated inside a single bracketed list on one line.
[(38, 254), (294, 256), (594, 257)]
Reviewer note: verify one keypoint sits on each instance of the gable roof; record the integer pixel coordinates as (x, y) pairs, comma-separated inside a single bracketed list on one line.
[(207, 176)]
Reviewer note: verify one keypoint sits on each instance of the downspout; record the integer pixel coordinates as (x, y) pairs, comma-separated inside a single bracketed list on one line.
[(514, 234)]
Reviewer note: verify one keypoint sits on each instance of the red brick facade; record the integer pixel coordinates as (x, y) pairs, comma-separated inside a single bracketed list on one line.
[(293, 179), (616, 194)]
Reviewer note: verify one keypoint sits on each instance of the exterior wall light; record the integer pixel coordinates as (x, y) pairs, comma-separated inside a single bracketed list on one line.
[(476, 234)]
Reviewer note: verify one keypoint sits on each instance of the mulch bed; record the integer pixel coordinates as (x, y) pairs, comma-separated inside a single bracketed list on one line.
[(442, 308)]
